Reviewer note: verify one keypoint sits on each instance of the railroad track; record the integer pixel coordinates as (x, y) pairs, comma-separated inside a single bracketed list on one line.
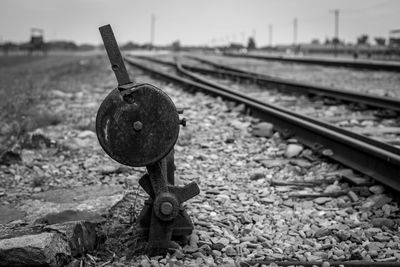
[(368, 156), (358, 64), (374, 101), (361, 100), (330, 98)]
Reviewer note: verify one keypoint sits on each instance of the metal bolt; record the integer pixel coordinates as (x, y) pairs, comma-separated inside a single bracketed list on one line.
[(166, 208), (183, 122), (137, 125)]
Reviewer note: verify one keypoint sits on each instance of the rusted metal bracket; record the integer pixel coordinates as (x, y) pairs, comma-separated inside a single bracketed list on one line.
[(138, 125)]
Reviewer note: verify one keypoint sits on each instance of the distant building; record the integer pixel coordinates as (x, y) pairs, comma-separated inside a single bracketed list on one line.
[(394, 38), (37, 41)]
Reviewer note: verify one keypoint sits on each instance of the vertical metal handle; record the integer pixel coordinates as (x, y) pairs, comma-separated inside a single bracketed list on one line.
[(116, 60)]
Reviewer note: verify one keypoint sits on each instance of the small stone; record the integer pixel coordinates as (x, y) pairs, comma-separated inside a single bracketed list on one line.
[(230, 251), (263, 129), (61, 94), (387, 209), (213, 192), (217, 246), (381, 238), (332, 188), (241, 108), (190, 249), (322, 200), (353, 196), (230, 140), (293, 150), (193, 240), (197, 254), (209, 261), (205, 249), (322, 232), (131, 180), (380, 222), (216, 253), (377, 189), (373, 246), (327, 152), (223, 241), (373, 253), (375, 201), (107, 169), (325, 264), (301, 163), (343, 235), (339, 252), (248, 239), (257, 176), (145, 263), (239, 125), (37, 189), (179, 254), (87, 134)]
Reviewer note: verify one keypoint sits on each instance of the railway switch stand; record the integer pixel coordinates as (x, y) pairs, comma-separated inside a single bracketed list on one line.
[(137, 124)]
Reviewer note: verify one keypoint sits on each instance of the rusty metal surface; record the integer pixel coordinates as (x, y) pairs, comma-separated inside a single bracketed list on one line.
[(163, 216), (139, 127), (117, 63)]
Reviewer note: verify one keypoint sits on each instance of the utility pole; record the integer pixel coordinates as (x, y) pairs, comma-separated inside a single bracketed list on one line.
[(336, 11), (336, 40), (152, 30), (295, 31), (270, 34)]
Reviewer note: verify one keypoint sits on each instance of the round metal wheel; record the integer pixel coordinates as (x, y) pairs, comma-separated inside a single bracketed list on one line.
[(137, 126)]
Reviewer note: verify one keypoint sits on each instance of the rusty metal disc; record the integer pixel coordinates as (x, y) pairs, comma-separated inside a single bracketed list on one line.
[(138, 126)]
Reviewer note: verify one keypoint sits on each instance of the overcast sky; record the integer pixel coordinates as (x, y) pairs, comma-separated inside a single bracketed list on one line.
[(197, 21)]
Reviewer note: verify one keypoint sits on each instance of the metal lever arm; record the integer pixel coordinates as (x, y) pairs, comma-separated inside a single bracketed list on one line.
[(182, 193), (114, 55)]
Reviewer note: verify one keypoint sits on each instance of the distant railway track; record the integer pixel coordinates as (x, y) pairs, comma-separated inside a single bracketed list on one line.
[(357, 64), (368, 156), (370, 100), (374, 101)]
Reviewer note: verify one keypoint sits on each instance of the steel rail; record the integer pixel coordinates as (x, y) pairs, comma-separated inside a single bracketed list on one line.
[(305, 88), (359, 64), (326, 125), (374, 161), (320, 264)]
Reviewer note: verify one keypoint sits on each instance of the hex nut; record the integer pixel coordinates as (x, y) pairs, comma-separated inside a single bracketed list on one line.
[(137, 125), (166, 208)]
